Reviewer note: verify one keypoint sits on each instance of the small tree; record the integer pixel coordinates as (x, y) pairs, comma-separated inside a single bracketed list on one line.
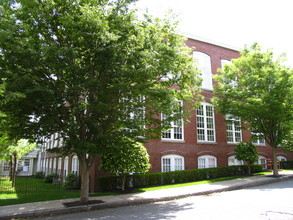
[(246, 152), (129, 157)]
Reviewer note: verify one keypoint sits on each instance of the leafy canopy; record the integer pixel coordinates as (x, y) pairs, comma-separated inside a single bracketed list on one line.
[(246, 152), (128, 157), (88, 69), (258, 89)]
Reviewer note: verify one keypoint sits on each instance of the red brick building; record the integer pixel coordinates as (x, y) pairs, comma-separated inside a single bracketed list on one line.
[(206, 141)]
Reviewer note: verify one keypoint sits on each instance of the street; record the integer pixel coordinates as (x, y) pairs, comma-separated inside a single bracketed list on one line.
[(273, 201)]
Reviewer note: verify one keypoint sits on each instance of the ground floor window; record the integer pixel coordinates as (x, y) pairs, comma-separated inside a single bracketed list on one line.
[(281, 158), (262, 161), (172, 163), (207, 161), (5, 166), (232, 161), (65, 166), (75, 165)]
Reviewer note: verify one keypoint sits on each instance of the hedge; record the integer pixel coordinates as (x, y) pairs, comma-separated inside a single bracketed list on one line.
[(286, 164), (109, 183)]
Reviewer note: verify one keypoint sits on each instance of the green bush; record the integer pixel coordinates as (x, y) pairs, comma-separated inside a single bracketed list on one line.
[(71, 182), (109, 183), (286, 164), (39, 175), (50, 177)]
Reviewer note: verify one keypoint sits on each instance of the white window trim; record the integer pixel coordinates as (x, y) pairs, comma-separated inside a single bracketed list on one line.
[(206, 161), (235, 161), (205, 124), (75, 165), (232, 122), (204, 63), (172, 158), (257, 141), (281, 158), (172, 129)]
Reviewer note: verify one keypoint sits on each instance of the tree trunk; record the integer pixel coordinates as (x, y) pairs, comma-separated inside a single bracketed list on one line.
[(123, 181), (10, 167), (275, 163), (84, 191), (14, 169)]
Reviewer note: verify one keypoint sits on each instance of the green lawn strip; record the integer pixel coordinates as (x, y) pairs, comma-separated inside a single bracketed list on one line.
[(145, 189)]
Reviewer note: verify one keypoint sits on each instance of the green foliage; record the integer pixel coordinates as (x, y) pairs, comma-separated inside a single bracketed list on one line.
[(246, 152), (50, 177), (128, 157), (109, 183), (286, 164), (71, 182), (258, 89), (39, 175)]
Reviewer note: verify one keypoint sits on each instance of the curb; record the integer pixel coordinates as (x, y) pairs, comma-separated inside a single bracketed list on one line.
[(116, 204)]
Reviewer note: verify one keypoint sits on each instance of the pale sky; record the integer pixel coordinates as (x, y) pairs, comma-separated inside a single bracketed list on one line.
[(233, 22)]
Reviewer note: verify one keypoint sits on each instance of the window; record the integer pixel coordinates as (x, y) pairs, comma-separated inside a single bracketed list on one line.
[(205, 123), (232, 161), (65, 166), (257, 138), (5, 166), (232, 81), (281, 158), (262, 161), (203, 61), (233, 126), (59, 166), (75, 165), (176, 132), (172, 163), (207, 161)]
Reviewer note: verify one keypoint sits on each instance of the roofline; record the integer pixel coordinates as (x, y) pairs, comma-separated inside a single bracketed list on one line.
[(210, 41)]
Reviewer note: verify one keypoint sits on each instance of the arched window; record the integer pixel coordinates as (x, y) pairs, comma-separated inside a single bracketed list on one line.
[(203, 62), (262, 161), (207, 161), (232, 161), (281, 158), (172, 162), (75, 165)]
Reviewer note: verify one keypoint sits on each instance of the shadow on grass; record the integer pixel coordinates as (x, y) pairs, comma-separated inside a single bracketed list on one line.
[(28, 189)]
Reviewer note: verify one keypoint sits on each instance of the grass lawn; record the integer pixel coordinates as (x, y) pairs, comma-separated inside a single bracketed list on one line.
[(35, 190)]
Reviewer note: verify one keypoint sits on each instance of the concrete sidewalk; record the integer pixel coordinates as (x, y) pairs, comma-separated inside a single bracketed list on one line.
[(56, 207)]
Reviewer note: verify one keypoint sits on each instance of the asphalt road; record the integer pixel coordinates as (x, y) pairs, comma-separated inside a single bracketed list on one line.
[(273, 201)]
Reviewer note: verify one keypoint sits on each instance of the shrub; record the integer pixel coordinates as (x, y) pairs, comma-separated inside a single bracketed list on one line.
[(50, 177), (71, 182), (39, 175), (286, 164), (109, 183)]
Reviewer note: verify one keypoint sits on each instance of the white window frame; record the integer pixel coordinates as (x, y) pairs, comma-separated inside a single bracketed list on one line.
[(232, 161), (75, 165), (59, 167), (207, 161), (172, 162), (262, 161), (204, 64), (176, 132), (234, 129), (205, 123), (66, 166), (281, 158), (5, 166), (228, 62), (260, 141)]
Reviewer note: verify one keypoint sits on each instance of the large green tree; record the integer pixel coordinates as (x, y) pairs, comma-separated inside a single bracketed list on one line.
[(93, 72), (259, 89)]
